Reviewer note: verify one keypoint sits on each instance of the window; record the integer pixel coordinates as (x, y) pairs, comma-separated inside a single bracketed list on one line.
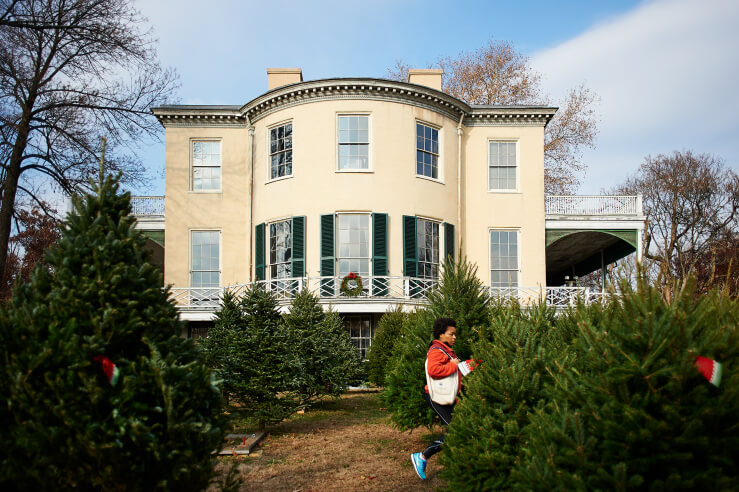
[(353, 142), (353, 244), (281, 151), (280, 249), (361, 332), (427, 151), (503, 258), (427, 233), (206, 266), (206, 165), (502, 166)]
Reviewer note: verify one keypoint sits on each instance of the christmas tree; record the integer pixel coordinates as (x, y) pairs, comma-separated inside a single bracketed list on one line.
[(326, 361), (634, 412), (99, 390), (387, 334), (458, 295), (255, 357), (485, 437)]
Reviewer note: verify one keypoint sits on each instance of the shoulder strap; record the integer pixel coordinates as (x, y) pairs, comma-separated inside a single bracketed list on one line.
[(445, 352)]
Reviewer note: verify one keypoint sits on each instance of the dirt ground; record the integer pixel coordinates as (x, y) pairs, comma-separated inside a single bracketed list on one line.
[(345, 444)]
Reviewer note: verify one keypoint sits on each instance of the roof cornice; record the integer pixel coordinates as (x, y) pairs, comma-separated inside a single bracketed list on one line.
[(352, 89)]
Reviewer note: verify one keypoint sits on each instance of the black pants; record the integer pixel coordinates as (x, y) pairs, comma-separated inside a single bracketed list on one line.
[(445, 413)]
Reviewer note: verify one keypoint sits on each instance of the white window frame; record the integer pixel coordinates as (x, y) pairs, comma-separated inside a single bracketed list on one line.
[(269, 247), (270, 179), (518, 257), (193, 141), (438, 246), (439, 167), (220, 257), (359, 317), (517, 167), (370, 167), (337, 243)]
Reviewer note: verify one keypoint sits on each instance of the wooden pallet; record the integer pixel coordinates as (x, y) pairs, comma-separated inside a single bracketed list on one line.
[(248, 442)]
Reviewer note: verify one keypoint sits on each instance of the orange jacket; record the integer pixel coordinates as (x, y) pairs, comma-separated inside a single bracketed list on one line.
[(441, 366)]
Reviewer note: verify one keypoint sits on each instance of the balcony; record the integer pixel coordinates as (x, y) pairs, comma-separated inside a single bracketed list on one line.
[(593, 206), (378, 293)]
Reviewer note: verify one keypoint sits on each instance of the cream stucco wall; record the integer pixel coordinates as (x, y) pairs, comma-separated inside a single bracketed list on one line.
[(391, 185), (225, 210), (317, 187), (522, 210)]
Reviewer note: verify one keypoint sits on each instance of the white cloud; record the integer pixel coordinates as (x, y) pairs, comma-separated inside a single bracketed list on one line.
[(666, 73)]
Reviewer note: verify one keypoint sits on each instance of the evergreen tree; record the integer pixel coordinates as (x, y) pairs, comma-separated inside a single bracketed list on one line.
[(255, 357), (459, 295), (387, 334), (485, 437), (404, 382), (325, 359), (64, 423), (635, 412)]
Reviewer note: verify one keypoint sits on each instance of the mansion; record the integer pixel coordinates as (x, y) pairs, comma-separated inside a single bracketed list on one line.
[(316, 182)]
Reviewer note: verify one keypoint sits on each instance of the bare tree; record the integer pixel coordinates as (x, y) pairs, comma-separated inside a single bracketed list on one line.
[(72, 71), (497, 74), (690, 201)]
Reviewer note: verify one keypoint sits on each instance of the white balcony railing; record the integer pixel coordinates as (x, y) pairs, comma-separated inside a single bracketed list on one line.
[(401, 290), (593, 205), (143, 206)]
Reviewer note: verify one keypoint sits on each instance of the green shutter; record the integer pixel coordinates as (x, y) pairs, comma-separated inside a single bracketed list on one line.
[(379, 254), (448, 241), (410, 249), (259, 252), (379, 244), (328, 260), (298, 247)]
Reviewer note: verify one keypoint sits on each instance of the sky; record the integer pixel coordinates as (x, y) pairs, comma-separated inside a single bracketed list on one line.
[(665, 71)]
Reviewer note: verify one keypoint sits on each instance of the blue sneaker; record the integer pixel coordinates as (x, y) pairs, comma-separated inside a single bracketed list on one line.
[(419, 464)]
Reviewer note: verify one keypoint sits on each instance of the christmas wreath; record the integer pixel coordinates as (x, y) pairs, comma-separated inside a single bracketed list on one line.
[(351, 285)]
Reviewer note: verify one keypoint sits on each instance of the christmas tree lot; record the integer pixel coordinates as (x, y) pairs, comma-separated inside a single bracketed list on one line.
[(602, 398), (99, 390)]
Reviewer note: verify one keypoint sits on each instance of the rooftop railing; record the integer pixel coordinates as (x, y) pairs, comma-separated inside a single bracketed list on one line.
[(593, 205), (400, 290), (147, 206)]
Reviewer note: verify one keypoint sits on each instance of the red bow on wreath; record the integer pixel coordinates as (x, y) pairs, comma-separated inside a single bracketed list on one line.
[(351, 276)]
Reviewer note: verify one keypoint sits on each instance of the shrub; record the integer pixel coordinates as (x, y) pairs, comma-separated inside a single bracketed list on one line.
[(388, 333), (64, 423)]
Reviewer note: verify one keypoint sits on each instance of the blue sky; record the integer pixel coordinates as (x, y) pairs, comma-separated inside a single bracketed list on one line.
[(665, 70)]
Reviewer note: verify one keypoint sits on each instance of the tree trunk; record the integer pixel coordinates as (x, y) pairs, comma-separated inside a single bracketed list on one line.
[(10, 186)]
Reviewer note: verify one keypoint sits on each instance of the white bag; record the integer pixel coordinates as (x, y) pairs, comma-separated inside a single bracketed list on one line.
[(442, 391)]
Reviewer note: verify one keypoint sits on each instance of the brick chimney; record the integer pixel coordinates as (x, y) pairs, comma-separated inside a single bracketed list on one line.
[(277, 77), (430, 77)]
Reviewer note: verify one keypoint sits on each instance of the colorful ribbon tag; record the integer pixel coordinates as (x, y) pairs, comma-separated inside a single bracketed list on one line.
[(710, 369), (111, 371)]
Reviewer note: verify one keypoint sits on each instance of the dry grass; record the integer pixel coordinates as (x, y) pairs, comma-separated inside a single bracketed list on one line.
[(345, 444)]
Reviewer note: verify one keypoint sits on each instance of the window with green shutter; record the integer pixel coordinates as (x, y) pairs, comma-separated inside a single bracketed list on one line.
[(298, 246), (259, 256), (379, 254), (328, 257), (448, 241)]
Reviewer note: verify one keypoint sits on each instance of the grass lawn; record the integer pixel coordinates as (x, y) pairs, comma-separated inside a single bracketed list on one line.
[(344, 444)]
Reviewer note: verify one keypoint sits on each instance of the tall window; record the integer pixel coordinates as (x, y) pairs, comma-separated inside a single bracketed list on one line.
[(206, 165), (361, 332), (353, 244), (427, 233), (281, 151), (427, 151), (502, 166), (280, 249), (353, 142), (206, 265), (503, 258)]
